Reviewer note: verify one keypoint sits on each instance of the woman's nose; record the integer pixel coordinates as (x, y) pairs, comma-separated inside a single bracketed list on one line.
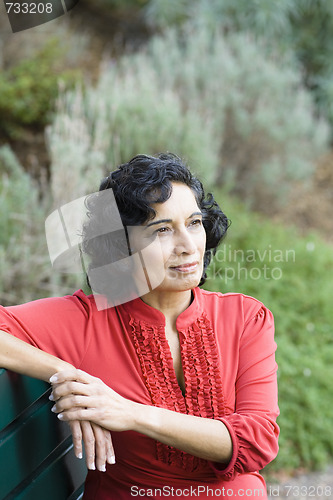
[(184, 243)]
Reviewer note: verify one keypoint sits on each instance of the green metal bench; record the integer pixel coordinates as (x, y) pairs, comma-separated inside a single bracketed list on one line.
[(37, 460)]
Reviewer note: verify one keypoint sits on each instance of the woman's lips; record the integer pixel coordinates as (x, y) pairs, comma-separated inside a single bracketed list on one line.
[(186, 268)]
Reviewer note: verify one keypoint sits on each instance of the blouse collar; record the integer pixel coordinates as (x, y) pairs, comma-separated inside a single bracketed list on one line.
[(139, 310)]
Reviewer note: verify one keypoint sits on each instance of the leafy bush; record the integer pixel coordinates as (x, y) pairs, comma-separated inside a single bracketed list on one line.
[(312, 41), (263, 17), (291, 275), (21, 255), (302, 27), (25, 268), (264, 119), (127, 113), (241, 118), (28, 89)]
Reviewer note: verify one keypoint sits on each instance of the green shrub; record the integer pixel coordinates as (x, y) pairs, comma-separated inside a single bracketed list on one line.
[(263, 17), (303, 28), (25, 267), (162, 13), (292, 276), (127, 113), (21, 255), (28, 89), (240, 118), (264, 119)]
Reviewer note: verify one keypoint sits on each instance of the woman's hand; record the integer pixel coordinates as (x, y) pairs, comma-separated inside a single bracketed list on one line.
[(80, 396), (97, 444)]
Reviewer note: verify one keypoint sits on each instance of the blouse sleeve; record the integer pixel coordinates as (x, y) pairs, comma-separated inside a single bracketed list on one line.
[(252, 426), (55, 325)]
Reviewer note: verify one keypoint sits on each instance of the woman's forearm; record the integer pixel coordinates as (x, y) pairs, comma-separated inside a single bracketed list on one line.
[(23, 358), (202, 437), (91, 399)]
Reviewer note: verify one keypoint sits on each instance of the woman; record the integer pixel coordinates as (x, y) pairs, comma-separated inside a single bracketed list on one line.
[(184, 379)]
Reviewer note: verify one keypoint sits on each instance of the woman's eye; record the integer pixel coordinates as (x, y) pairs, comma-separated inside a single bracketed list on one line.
[(196, 222), (162, 230)]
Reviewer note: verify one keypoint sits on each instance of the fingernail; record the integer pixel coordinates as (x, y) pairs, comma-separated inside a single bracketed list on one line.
[(79, 455), (54, 408), (112, 459), (102, 468), (91, 467), (51, 398), (53, 379), (60, 416)]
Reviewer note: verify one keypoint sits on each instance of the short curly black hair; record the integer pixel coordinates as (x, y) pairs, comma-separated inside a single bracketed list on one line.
[(136, 186)]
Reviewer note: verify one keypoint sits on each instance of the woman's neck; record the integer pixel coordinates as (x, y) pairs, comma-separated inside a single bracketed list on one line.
[(170, 304)]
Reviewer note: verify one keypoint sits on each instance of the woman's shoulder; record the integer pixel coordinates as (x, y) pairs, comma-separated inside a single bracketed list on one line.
[(239, 303), (78, 302)]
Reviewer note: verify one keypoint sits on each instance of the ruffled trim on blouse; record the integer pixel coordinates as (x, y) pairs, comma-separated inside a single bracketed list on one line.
[(202, 374), (202, 370)]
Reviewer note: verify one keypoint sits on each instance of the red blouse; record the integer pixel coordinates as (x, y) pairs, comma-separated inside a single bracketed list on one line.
[(228, 358)]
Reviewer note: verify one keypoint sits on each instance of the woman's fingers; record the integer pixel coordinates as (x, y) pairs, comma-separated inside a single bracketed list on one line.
[(97, 444), (71, 375), (69, 402), (77, 437), (104, 451), (75, 382), (110, 454), (88, 437), (100, 447), (74, 393), (84, 414), (79, 396), (64, 388)]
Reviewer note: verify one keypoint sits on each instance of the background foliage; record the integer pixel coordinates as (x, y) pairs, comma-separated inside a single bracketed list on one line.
[(25, 269), (29, 88), (243, 119), (301, 27), (23, 253)]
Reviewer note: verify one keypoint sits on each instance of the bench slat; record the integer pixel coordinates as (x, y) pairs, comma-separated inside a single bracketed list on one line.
[(16, 394), (36, 452)]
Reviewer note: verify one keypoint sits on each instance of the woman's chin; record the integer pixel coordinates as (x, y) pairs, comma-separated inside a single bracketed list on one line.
[(180, 283)]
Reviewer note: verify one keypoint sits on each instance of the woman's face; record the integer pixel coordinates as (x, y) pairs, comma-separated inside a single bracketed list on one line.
[(176, 237)]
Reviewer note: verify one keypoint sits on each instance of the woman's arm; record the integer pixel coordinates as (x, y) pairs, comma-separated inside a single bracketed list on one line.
[(23, 358), (202, 437), (79, 396), (20, 357)]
